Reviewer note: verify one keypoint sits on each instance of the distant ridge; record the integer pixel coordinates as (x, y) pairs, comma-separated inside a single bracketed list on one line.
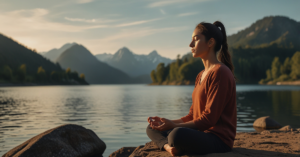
[(78, 58), (53, 54), (280, 30), (14, 55), (133, 64)]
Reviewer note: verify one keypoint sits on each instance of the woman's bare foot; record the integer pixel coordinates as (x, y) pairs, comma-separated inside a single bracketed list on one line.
[(171, 150)]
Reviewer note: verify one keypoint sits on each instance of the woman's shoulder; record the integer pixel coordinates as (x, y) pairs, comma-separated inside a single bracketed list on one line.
[(221, 71)]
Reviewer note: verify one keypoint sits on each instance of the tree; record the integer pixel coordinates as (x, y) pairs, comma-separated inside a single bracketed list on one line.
[(161, 72), (275, 69), (55, 76), (82, 76), (153, 76), (21, 73), (7, 73), (286, 67), (41, 74), (295, 66)]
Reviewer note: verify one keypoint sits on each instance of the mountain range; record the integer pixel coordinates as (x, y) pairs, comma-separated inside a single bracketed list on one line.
[(78, 58), (133, 64)]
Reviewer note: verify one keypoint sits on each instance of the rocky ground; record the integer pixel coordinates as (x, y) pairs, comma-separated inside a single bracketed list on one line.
[(283, 142)]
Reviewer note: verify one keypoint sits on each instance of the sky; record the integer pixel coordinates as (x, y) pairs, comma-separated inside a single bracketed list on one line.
[(104, 26)]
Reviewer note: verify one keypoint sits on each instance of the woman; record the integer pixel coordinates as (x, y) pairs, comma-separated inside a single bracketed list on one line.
[(210, 126)]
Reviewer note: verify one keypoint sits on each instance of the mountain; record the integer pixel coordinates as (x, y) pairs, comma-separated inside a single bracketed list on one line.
[(14, 55), (279, 30), (78, 58), (133, 64), (53, 54)]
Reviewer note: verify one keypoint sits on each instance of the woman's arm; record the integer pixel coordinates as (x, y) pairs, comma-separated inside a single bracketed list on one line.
[(189, 124), (177, 121)]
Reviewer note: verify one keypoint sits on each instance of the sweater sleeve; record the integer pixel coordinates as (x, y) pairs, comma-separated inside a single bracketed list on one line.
[(218, 89), (188, 117)]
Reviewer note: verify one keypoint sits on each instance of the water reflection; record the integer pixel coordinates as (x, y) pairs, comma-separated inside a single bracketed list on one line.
[(118, 113)]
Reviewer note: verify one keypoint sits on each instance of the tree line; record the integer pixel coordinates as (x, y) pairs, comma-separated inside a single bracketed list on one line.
[(289, 70), (20, 75), (250, 66)]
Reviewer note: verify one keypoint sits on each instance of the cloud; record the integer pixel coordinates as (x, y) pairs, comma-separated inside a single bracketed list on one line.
[(84, 1), (127, 34), (35, 19), (89, 20), (136, 23), (187, 14), (162, 11), (162, 3)]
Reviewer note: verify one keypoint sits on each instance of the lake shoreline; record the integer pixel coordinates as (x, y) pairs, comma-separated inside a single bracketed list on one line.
[(35, 84)]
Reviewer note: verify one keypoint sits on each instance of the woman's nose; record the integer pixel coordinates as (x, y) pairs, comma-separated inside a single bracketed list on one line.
[(191, 44)]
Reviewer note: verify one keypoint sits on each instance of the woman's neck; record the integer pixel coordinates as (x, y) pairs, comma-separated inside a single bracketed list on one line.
[(210, 61)]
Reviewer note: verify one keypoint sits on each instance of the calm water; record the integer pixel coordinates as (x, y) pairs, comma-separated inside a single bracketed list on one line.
[(118, 113)]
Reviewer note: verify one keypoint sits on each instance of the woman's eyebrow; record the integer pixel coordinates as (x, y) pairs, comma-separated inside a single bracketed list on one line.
[(195, 36)]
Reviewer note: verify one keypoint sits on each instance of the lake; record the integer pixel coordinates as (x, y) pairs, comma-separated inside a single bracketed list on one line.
[(118, 113)]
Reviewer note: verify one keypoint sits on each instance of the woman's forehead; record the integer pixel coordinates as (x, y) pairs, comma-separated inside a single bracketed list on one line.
[(197, 32)]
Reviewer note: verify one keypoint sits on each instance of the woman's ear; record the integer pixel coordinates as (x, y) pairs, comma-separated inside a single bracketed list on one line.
[(211, 42)]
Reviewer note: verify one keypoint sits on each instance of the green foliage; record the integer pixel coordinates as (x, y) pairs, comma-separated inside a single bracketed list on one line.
[(21, 73), (275, 71), (295, 66), (289, 71), (41, 74), (82, 76), (6, 73), (251, 64), (181, 70), (161, 72), (286, 67), (153, 76)]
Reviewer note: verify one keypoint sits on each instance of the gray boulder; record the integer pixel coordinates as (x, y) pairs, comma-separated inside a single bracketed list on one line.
[(64, 141), (266, 123)]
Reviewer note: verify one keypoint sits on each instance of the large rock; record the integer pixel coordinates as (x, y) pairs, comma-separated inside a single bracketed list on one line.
[(266, 123), (64, 141), (274, 143)]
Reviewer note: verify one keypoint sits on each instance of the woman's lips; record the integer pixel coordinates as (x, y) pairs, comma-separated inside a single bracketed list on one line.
[(192, 50)]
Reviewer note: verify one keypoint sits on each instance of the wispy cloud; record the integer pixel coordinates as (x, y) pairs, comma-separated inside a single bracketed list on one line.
[(187, 14), (162, 11), (162, 3), (34, 20), (133, 33), (84, 1), (89, 20), (136, 23)]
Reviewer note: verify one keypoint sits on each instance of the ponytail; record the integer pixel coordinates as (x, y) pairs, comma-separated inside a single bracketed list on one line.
[(224, 55)]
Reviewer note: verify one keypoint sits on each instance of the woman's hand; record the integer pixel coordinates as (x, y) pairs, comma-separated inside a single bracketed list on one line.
[(166, 125), (154, 119)]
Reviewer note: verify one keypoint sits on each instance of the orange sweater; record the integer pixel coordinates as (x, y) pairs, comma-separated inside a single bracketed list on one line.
[(214, 104)]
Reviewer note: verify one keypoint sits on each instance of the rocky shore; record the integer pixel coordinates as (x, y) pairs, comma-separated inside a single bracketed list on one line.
[(266, 143)]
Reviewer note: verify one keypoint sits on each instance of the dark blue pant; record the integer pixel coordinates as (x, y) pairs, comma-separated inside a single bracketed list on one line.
[(188, 140)]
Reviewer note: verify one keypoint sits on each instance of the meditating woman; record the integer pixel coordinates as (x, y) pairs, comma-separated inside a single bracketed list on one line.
[(210, 126)]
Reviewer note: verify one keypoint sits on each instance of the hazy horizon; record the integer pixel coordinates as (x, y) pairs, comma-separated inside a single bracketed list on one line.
[(142, 26)]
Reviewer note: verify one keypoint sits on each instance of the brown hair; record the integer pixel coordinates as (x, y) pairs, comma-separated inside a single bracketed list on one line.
[(212, 31)]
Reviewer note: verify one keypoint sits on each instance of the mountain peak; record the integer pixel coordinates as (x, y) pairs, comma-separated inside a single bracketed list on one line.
[(154, 52)]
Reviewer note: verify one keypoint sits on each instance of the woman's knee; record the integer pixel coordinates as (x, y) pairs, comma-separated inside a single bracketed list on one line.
[(176, 136)]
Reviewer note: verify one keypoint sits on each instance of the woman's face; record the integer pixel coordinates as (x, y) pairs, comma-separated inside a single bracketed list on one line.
[(199, 46)]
